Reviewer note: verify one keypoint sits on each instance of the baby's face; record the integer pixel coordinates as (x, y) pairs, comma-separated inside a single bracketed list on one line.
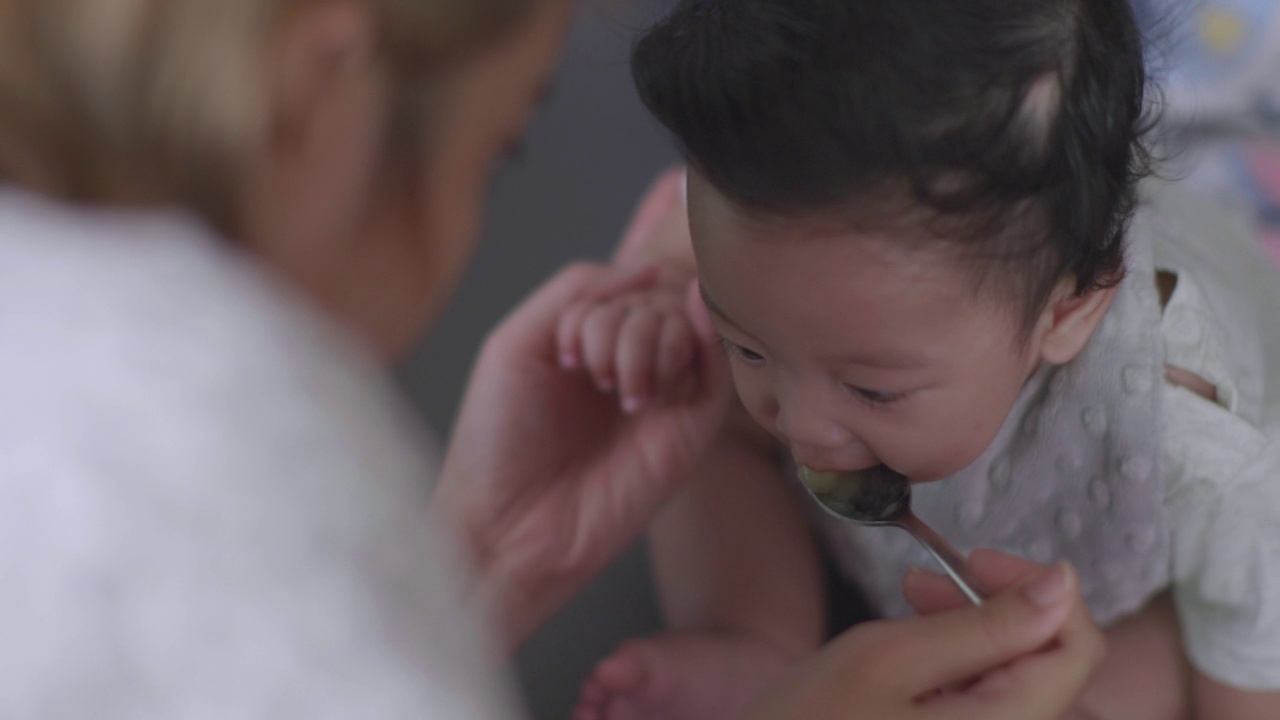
[(854, 350)]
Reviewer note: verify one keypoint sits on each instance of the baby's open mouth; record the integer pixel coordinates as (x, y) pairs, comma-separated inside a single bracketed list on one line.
[(875, 494), (829, 481)]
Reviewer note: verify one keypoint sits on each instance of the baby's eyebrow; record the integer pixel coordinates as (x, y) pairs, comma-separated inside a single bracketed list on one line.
[(712, 306)]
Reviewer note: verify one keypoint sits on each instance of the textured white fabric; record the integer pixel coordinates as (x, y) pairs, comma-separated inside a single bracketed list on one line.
[(210, 505), (1222, 460), (1210, 529)]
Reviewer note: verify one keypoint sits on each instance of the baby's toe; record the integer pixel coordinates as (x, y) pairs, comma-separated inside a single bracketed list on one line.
[(588, 711), (622, 672)]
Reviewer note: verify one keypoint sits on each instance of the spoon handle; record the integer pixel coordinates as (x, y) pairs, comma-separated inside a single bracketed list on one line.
[(950, 560)]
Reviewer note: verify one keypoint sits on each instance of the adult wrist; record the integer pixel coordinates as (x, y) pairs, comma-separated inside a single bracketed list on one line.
[(512, 589)]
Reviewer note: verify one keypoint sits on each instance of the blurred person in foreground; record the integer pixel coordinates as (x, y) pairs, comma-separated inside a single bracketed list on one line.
[(219, 220)]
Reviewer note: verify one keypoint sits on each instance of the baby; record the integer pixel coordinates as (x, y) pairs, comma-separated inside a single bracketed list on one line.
[(923, 231)]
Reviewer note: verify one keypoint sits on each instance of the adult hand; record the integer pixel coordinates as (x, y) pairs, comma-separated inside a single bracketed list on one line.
[(1023, 655), (546, 480)]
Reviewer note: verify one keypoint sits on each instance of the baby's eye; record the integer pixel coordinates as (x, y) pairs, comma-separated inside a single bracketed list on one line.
[(875, 397), (736, 351)]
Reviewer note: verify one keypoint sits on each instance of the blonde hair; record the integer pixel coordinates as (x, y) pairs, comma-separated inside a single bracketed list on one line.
[(158, 101)]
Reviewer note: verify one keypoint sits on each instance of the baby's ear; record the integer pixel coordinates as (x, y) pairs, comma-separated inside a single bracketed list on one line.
[(1069, 321)]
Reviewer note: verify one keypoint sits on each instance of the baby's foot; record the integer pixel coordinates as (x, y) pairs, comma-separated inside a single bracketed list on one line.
[(693, 676)]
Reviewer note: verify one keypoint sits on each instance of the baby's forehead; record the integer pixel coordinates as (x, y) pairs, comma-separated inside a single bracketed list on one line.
[(888, 213), (908, 248), (885, 230)]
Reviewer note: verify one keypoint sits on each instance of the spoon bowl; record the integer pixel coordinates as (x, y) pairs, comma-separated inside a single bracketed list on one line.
[(879, 496)]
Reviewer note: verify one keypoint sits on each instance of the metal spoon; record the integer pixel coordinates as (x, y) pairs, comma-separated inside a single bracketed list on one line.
[(879, 496)]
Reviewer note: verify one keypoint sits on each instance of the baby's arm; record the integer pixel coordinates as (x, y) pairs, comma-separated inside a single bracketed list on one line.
[(1212, 700), (1146, 676), (734, 552), (660, 230)]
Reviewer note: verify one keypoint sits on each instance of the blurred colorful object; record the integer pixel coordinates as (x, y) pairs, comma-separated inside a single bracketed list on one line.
[(1219, 64), (1262, 163)]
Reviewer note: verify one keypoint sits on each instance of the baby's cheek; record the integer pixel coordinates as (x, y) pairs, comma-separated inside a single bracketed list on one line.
[(957, 444), (978, 432), (756, 398)]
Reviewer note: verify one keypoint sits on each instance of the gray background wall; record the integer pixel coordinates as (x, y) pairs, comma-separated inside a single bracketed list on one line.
[(590, 155)]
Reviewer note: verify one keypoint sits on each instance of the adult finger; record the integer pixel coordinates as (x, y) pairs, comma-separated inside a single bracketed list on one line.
[(637, 346), (1042, 685), (930, 592), (981, 638)]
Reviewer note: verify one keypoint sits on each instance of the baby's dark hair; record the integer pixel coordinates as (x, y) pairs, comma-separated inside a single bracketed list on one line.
[(1015, 127)]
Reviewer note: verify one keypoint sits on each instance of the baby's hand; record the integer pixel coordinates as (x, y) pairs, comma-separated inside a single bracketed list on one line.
[(640, 343)]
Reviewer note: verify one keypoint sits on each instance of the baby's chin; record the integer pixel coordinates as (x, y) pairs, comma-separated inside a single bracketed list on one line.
[(923, 476)]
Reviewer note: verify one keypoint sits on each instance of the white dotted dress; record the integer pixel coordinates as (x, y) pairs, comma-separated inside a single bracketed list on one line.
[(1143, 485)]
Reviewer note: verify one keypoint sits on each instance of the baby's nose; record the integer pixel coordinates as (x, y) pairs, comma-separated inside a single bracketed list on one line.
[(810, 424)]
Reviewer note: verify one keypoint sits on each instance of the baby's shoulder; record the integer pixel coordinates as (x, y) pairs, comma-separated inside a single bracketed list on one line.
[(1220, 450), (1222, 318), (1214, 431)]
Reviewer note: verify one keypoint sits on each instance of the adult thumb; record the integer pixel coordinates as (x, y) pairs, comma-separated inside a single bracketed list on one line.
[(975, 640)]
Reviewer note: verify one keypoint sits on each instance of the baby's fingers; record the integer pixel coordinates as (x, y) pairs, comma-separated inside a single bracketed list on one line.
[(677, 348), (599, 338), (612, 283), (569, 334), (637, 346)]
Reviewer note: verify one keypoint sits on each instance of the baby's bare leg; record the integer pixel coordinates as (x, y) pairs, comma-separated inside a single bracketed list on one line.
[(736, 552), (1145, 675), (741, 588)]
